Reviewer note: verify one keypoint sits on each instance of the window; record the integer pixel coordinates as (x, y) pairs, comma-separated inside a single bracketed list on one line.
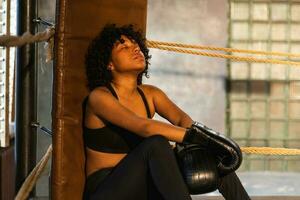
[(264, 99), (7, 60)]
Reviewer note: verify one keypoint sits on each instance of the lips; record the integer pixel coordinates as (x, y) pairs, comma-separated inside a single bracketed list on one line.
[(138, 56)]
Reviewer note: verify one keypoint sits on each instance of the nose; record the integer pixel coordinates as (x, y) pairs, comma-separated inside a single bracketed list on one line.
[(136, 48)]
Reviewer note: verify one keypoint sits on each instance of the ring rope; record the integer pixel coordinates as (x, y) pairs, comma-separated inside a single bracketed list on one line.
[(232, 57), (32, 178), (28, 38), (7, 40), (270, 151), (191, 46)]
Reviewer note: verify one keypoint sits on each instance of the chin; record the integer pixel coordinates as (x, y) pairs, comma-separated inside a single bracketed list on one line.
[(140, 67)]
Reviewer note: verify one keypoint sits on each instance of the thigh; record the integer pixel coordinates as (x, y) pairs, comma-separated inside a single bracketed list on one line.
[(127, 180), (153, 193), (152, 159)]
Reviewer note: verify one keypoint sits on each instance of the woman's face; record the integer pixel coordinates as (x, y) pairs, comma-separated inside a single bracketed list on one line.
[(127, 56)]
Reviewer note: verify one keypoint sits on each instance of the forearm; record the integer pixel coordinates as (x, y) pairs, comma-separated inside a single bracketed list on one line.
[(185, 121), (171, 132)]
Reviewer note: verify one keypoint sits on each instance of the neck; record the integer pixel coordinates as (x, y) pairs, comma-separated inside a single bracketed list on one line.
[(125, 86)]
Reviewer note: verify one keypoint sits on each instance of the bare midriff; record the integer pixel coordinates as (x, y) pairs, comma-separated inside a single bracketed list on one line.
[(96, 160)]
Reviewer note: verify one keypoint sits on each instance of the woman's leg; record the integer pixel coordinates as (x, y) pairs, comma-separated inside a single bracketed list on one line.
[(152, 158), (231, 188), (153, 193)]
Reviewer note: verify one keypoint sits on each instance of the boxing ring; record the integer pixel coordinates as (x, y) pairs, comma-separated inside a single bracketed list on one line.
[(71, 37)]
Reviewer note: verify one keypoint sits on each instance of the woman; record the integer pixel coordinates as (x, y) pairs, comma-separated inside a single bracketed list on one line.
[(128, 155)]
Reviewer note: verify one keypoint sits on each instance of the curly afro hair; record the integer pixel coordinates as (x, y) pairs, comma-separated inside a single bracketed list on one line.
[(99, 51)]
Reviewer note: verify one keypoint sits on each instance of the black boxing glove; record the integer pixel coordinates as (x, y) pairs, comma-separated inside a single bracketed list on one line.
[(226, 150), (198, 166)]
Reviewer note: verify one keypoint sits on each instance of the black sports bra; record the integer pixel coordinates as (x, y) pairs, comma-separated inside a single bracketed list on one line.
[(111, 138)]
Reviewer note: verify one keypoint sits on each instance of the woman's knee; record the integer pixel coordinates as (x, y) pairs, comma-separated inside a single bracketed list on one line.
[(157, 142)]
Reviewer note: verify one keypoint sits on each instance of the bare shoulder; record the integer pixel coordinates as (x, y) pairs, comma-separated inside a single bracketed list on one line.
[(98, 94), (151, 89)]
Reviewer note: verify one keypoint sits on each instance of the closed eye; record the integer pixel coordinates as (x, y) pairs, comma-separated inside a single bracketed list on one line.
[(123, 47)]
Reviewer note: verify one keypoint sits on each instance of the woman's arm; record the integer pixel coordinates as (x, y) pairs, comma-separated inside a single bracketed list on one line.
[(167, 109), (185, 121), (105, 106)]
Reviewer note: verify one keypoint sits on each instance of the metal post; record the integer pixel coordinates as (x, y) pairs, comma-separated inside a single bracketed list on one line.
[(25, 152)]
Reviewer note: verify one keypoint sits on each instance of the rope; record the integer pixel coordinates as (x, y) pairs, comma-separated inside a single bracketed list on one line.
[(33, 176), (16, 41), (27, 38), (239, 58), (270, 151), (177, 47), (191, 46)]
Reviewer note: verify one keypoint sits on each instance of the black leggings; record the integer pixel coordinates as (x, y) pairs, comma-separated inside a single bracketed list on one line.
[(150, 171)]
